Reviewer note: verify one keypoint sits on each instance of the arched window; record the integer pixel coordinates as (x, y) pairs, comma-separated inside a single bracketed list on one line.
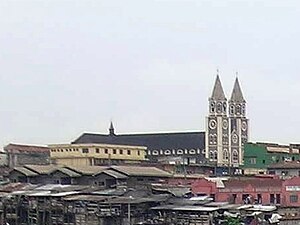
[(231, 109), (225, 154), (212, 107), (215, 138), (235, 156), (192, 151), (167, 152), (179, 151), (224, 107), (238, 109), (155, 152), (211, 155), (219, 107), (243, 109), (211, 139), (216, 155)]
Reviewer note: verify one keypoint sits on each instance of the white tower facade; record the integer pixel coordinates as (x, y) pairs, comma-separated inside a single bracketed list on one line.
[(226, 129)]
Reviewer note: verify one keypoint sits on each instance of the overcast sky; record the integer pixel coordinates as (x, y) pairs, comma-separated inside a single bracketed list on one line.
[(68, 67)]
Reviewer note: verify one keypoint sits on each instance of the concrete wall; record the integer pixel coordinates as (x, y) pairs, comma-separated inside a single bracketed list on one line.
[(34, 158)]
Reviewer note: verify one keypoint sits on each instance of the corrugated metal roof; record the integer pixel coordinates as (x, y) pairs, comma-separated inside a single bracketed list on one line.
[(68, 172), (87, 170), (25, 171), (141, 171), (42, 169), (114, 174), (95, 198)]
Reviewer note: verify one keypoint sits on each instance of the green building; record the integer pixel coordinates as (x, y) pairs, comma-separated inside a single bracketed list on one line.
[(258, 156)]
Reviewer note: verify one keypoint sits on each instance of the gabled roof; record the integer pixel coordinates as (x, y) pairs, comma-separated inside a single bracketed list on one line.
[(114, 174), (42, 169), (237, 95), (87, 170), (141, 171), (67, 171), (181, 140), (26, 148), (25, 171), (218, 92)]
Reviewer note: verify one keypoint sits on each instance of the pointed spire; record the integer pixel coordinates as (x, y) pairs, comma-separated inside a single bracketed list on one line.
[(218, 93), (111, 129), (237, 95)]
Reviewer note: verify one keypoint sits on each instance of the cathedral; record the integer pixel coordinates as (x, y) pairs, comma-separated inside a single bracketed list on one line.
[(226, 126), (220, 146)]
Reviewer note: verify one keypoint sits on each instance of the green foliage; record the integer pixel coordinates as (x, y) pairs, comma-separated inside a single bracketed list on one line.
[(232, 221)]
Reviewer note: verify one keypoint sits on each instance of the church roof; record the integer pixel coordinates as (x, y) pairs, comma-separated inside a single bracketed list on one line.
[(237, 95), (218, 92), (182, 140)]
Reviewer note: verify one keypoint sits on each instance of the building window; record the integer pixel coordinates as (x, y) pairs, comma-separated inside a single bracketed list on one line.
[(97, 150), (212, 107), (211, 155), (278, 199), (85, 150), (167, 152), (252, 160), (179, 152), (192, 151), (192, 160), (232, 109), (106, 151), (128, 152), (138, 152), (224, 107), (225, 154), (238, 109), (293, 198), (155, 152), (284, 173), (235, 156), (219, 107), (264, 161), (214, 139), (114, 151), (121, 151), (272, 199), (259, 199)]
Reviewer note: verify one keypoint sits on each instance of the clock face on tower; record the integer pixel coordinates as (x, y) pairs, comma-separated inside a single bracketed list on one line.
[(244, 126), (234, 138), (212, 124)]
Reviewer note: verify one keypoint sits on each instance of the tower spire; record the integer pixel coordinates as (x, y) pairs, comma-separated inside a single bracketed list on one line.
[(218, 92), (111, 129), (237, 95)]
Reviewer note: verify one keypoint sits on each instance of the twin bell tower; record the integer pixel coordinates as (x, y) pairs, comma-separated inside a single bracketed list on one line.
[(226, 126)]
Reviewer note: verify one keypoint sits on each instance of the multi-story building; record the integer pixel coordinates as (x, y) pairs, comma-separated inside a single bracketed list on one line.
[(172, 148), (96, 154), (18, 155), (226, 129), (259, 156)]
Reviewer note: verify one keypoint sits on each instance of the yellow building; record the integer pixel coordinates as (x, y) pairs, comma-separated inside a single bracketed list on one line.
[(95, 154)]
